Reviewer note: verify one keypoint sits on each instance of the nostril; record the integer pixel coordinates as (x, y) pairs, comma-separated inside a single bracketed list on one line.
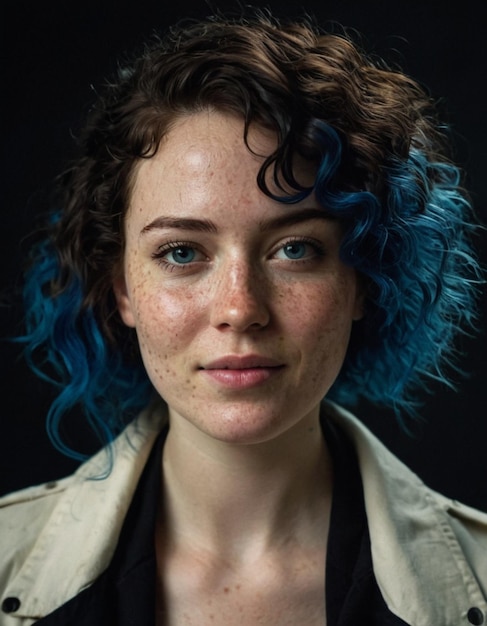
[(239, 310)]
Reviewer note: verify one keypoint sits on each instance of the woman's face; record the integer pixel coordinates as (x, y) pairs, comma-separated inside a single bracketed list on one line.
[(241, 305)]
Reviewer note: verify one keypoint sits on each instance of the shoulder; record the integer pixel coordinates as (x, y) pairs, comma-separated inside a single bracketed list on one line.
[(469, 527), (23, 517), (400, 492), (56, 538), (44, 493), (429, 552)]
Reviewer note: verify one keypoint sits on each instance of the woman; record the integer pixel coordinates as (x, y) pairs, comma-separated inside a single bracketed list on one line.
[(260, 217)]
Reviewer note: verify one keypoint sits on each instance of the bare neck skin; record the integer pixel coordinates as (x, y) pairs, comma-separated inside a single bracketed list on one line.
[(243, 529), (237, 502)]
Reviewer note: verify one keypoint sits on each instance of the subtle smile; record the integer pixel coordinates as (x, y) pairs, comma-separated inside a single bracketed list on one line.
[(241, 372)]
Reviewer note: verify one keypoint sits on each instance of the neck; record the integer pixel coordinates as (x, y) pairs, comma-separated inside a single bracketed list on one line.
[(242, 500)]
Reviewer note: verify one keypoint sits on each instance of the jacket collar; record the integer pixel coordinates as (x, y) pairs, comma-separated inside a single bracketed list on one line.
[(419, 564), (418, 561), (85, 521)]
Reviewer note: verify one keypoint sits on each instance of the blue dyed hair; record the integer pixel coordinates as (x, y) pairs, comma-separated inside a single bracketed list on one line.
[(372, 138)]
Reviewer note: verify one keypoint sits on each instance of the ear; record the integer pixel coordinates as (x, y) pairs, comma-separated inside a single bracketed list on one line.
[(124, 303)]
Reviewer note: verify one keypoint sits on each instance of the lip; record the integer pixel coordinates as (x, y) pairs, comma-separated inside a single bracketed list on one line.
[(241, 372), (241, 362)]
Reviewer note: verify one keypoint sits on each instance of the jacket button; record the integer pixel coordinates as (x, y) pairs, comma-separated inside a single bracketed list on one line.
[(10, 605), (474, 615)]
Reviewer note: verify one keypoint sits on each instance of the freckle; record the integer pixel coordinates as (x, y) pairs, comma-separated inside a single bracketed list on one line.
[(237, 586), (226, 589)]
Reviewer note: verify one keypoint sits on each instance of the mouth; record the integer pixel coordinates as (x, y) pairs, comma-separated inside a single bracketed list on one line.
[(235, 362), (242, 372)]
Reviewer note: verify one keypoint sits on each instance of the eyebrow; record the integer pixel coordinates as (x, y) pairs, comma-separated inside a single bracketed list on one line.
[(207, 226), (182, 223)]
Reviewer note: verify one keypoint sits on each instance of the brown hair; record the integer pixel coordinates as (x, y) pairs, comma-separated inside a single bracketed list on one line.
[(284, 77), (371, 133)]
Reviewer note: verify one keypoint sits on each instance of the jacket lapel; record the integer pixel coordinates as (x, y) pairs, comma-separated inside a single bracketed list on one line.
[(418, 560), (85, 522)]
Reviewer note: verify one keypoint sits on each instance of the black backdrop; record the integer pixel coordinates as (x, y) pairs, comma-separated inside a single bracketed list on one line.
[(53, 53)]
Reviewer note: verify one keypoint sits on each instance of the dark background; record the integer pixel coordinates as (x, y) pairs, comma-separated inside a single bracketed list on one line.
[(52, 54)]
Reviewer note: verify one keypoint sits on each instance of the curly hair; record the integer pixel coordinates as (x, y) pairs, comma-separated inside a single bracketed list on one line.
[(372, 135)]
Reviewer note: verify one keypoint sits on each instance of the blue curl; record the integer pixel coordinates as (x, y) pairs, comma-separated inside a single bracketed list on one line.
[(410, 247), (64, 339), (412, 250)]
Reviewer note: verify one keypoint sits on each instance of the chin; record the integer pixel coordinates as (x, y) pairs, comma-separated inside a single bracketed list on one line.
[(244, 425)]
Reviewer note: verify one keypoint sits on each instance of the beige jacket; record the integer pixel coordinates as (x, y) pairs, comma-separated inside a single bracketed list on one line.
[(429, 553)]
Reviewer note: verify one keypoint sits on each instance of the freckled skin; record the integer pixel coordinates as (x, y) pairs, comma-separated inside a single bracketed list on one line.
[(241, 296)]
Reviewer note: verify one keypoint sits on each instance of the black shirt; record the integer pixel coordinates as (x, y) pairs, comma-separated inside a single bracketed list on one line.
[(125, 594)]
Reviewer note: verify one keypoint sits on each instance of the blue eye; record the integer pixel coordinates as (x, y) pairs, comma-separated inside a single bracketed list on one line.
[(300, 250), (295, 250), (181, 255), (177, 254)]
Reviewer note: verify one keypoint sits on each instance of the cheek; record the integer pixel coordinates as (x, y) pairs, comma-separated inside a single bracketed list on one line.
[(320, 308), (163, 329), (165, 319), (322, 319), (159, 321)]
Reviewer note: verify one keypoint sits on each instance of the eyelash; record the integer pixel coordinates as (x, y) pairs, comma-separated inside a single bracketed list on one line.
[(318, 248), (163, 250)]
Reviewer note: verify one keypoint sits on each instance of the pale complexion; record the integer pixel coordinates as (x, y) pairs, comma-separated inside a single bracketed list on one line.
[(243, 312)]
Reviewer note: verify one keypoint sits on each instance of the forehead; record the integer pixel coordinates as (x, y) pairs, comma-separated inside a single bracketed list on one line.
[(196, 142), (206, 151)]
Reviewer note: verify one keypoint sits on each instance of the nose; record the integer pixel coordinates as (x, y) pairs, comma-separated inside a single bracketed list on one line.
[(240, 301)]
